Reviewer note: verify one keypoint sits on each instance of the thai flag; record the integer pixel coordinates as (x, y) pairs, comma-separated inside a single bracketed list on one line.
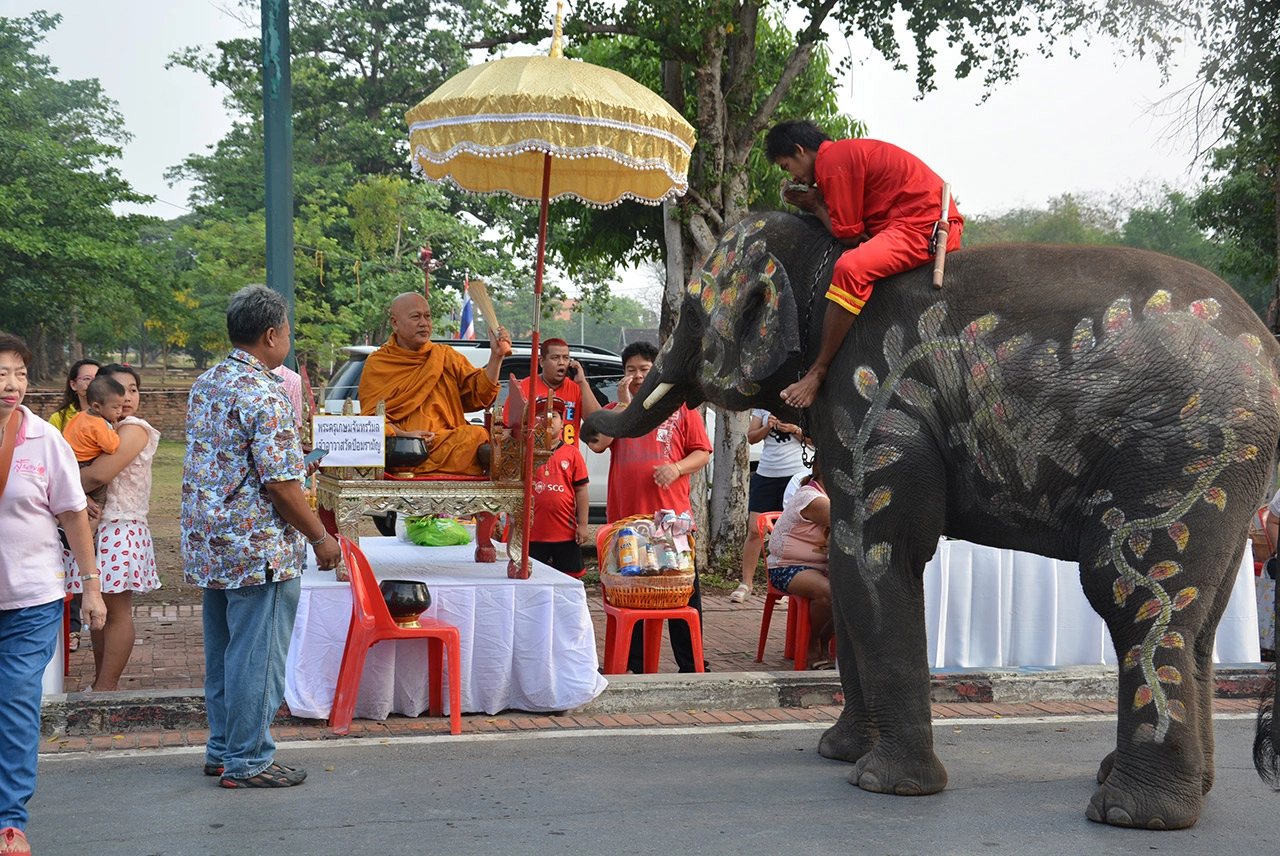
[(467, 324)]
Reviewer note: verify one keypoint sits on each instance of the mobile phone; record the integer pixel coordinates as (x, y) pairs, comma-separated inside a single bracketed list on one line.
[(314, 455), (572, 374)]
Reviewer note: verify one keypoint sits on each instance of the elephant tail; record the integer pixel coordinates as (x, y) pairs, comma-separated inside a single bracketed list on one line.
[(1266, 737)]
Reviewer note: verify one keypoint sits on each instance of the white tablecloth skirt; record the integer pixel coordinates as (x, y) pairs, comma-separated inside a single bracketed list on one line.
[(986, 607), (526, 644)]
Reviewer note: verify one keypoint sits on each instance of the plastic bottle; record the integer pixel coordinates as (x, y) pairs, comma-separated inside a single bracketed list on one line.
[(668, 558), (649, 567), (628, 552)]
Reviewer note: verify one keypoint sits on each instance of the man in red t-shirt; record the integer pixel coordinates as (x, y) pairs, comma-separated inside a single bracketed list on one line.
[(579, 401), (650, 473), (881, 201), (560, 500)]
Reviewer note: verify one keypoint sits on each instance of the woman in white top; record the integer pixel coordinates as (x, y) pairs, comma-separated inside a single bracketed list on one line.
[(125, 557), (781, 457)]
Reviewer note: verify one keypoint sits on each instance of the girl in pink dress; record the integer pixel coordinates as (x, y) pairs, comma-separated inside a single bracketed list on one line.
[(126, 559)]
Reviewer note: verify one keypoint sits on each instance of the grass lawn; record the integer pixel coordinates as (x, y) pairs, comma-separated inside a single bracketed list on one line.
[(165, 522)]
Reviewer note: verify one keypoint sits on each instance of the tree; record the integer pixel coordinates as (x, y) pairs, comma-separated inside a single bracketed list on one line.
[(65, 256), (730, 67), (1234, 110), (357, 66)]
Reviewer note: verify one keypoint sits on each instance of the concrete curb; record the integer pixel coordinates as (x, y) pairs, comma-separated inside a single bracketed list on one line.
[(82, 714)]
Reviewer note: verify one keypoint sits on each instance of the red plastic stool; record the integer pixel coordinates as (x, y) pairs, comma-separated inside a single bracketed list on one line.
[(620, 622), (371, 623), (798, 626)]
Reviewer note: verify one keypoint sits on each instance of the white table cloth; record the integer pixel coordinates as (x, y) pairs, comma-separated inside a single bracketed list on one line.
[(526, 644), (989, 607)]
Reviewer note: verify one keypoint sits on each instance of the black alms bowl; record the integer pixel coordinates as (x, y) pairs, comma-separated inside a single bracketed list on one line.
[(405, 453), (406, 600)]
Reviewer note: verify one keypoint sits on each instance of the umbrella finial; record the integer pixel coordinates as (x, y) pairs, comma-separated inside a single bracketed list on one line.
[(556, 49)]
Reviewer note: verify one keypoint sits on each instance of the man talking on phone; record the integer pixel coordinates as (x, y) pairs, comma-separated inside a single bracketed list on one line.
[(566, 380)]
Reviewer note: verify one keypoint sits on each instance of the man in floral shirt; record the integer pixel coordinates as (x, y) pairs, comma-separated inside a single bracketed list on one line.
[(244, 520)]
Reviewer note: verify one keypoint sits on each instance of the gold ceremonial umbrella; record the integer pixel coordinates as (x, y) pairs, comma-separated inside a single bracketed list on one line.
[(500, 126)]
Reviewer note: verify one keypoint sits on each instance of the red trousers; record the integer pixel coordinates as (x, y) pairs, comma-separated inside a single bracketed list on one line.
[(899, 247)]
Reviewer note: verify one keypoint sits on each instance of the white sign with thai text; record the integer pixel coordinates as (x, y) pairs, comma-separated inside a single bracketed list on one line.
[(352, 441)]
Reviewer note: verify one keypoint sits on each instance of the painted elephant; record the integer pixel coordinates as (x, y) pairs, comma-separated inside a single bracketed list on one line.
[(1103, 405)]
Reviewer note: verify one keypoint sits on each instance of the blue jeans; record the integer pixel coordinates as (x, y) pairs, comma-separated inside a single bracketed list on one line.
[(246, 638), (28, 638)]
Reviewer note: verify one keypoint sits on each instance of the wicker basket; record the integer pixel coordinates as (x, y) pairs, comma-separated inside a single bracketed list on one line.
[(666, 592), (642, 592)]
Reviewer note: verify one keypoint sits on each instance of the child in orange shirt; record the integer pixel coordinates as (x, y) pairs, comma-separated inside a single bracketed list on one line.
[(92, 432)]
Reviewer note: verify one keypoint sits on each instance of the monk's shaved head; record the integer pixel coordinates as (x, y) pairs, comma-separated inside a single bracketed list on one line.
[(411, 320)]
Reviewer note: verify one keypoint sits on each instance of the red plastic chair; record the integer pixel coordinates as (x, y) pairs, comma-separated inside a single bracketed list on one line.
[(620, 622), (796, 644), (371, 623)]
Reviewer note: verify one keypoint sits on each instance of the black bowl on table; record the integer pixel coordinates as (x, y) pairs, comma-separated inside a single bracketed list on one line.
[(406, 600), (405, 453)]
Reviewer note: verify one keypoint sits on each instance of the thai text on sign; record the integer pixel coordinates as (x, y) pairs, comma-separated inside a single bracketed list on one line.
[(352, 441)]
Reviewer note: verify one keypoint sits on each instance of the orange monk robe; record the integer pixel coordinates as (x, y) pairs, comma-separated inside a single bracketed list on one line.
[(430, 390)]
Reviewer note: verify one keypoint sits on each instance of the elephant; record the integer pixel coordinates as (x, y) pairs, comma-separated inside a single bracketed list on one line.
[(1104, 405)]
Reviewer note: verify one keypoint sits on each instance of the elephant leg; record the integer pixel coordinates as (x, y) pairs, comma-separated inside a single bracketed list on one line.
[(1157, 776), (1204, 669), (853, 734), (887, 723)]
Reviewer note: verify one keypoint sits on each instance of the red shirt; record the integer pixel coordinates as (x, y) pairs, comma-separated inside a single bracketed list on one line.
[(555, 507), (869, 184), (569, 392), (632, 461)]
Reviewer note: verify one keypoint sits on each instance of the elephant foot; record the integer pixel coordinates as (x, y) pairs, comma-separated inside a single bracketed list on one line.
[(908, 777), (843, 742), (1154, 807), (1104, 770)]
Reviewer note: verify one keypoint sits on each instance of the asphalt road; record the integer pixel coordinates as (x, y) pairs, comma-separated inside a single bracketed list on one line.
[(1017, 786)]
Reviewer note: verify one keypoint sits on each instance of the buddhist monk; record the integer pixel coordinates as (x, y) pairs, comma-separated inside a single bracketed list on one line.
[(428, 389)]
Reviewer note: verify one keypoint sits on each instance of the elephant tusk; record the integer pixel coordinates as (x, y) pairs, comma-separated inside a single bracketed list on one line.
[(656, 396)]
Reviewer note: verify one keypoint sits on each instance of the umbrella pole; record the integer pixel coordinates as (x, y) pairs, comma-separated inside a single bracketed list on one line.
[(527, 514)]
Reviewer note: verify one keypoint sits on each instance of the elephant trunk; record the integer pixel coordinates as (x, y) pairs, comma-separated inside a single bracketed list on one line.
[(669, 384)]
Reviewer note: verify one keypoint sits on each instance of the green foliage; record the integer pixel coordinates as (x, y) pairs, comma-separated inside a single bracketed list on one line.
[(64, 254), (1166, 221), (1235, 105)]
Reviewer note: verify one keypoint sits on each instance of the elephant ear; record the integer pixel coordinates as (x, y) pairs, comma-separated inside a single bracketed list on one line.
[(767, 326)]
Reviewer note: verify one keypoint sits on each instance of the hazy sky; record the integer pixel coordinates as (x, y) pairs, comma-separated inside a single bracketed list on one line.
[(1080, 126)]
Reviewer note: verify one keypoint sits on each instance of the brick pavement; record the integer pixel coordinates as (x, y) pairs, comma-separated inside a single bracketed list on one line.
[(169, 651), (399, 726)]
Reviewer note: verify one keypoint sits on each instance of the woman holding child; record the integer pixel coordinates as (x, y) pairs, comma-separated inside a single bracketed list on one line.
[(126, 559)]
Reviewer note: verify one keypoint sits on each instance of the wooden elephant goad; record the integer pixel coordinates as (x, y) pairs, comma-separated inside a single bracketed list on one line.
[(1103, 405)]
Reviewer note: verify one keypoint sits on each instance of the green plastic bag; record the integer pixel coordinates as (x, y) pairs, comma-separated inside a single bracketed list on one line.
[(436, 532)]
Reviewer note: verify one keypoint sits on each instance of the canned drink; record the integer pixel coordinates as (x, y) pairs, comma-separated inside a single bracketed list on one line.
[(628, 551)]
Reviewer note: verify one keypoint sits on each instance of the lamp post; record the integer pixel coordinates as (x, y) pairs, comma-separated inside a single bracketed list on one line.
[(277, 133)]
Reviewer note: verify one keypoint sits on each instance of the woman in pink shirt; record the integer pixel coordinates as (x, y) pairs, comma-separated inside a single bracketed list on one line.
[(798, 560), (39, 490)]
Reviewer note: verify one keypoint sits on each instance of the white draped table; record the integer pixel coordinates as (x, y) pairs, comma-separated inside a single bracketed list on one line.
[(986, 607), (526, 644)]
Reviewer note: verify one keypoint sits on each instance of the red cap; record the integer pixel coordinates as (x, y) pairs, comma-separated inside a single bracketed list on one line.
[(540, 406)]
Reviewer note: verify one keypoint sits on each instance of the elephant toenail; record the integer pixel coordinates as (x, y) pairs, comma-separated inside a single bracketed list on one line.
[(1156, 823), (1119, 817), (868, 782)]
